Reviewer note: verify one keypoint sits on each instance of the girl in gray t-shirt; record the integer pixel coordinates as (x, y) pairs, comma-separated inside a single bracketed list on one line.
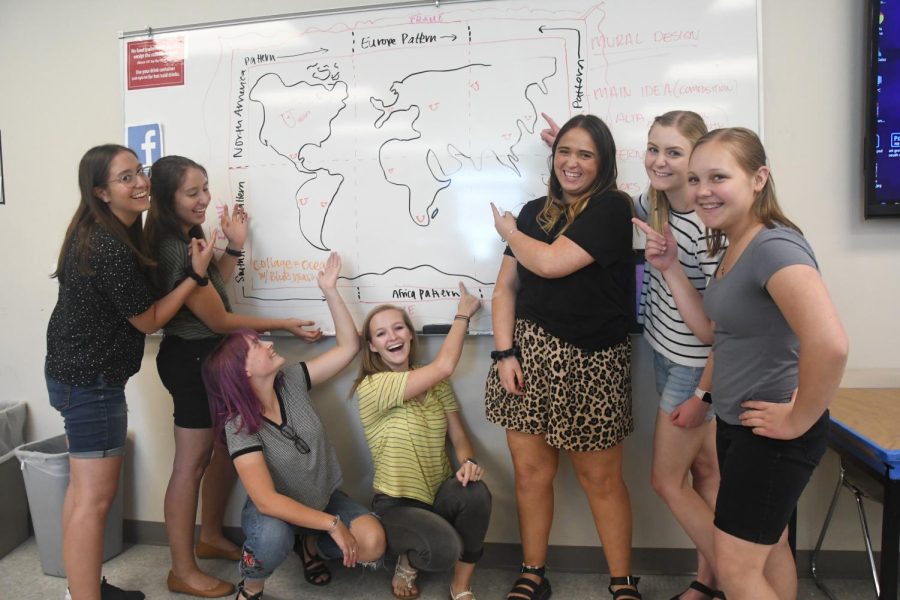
[(779, 352)]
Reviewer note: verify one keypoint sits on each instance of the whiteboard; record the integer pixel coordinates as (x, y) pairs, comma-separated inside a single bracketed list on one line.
[(384, 133)]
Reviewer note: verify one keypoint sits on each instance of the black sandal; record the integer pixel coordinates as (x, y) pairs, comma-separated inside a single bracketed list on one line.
[(707, 591), (315, 571), (527, 589), (630, 580), (242, 594)]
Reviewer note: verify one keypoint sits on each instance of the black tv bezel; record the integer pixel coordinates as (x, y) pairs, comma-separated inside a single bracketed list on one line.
[(873, 208)]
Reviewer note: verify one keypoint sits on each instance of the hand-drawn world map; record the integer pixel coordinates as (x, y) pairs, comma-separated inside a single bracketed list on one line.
[(384, 135)]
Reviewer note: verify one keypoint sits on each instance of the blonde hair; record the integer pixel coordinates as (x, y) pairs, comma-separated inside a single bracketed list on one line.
[(690, 125), (371, 362), (747, 150)]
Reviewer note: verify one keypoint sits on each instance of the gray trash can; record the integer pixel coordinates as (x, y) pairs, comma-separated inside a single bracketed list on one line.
[(46, 467), (13, 502)]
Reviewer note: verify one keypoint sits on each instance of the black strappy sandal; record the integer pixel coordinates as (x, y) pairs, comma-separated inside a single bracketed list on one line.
[(703, 589), (315, 571), (623, 593), (242, 593), (527, 589)]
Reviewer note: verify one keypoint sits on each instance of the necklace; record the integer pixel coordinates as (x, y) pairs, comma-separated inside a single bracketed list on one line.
[(736, 249)]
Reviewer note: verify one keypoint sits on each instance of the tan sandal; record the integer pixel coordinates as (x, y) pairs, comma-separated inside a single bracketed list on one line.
[(464, 594), (408, 575)]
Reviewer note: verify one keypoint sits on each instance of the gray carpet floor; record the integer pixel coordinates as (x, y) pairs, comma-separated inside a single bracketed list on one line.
[(144, 567)]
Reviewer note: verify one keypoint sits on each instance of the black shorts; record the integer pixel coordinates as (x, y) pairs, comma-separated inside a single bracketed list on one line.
[(178, 362), (762, 478)]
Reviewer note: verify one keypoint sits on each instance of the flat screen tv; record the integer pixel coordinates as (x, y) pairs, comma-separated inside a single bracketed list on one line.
[(882, 144)]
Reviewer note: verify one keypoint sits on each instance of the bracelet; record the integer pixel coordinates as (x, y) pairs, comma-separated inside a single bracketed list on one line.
[(201, 281), (471, 460), (461, 317), (232, 252), (501, 354), (334, 525)]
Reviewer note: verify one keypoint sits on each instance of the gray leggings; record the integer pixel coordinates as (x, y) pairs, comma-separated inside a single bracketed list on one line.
[(436, 536)]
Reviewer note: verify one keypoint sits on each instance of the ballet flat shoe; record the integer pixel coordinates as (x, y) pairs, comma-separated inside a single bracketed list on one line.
[(176, 585), (204, 550)]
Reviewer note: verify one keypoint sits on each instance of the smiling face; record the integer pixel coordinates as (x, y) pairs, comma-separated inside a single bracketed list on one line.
[(262, 360), (576, 163), (666, 160), (725, 192), (127, 190), (391, 338), (192, 198)]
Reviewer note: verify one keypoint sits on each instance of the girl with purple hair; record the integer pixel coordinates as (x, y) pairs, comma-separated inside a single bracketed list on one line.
[(282, 454)]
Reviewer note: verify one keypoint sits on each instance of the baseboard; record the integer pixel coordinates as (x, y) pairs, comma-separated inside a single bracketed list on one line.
[(844, 564)]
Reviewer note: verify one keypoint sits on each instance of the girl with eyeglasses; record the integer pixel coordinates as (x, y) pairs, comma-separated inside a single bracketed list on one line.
[(95, 342), (282, 454), (180, 192)]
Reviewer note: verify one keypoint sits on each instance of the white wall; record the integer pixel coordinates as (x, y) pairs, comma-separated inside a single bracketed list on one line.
[(60, 94)]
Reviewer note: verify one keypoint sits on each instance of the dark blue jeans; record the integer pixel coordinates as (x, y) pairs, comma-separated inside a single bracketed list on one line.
[(436, 536)]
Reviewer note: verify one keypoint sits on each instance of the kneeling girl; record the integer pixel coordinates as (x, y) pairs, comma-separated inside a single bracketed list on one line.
[(434, 519), (282, 455)]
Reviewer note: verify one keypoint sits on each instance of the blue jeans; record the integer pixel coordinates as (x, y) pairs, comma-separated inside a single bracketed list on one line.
[(675, 383), (269, 540), (436, 536), (96, 418)]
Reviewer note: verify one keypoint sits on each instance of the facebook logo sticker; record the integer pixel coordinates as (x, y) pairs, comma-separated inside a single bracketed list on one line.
[(146, 141)]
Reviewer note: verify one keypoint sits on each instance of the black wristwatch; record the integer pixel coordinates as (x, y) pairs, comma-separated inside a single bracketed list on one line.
[(201, 281), (703, 395)]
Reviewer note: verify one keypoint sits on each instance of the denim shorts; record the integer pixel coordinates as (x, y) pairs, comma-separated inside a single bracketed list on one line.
[(269, 540), (675, 383), (95, 416), (762, 478)]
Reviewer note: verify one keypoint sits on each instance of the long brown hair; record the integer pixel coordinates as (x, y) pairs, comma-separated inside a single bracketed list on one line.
[(162, 219), (371, 362), (747, 150), (691, 126), (555, 207), (93, 172)]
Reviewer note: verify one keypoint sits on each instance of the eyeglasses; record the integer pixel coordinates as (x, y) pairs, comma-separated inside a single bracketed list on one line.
[(129, 178), (288, 432)]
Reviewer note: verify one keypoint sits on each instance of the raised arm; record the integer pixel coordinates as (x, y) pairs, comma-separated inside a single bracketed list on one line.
[(551, 261), (661, 252), (235, 227), (800, 294), (161, 311), (329, 363), (443, 365), (503, 316), (257, 480)]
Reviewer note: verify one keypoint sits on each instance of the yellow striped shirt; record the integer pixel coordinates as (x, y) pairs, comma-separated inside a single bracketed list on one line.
[(407, 439)]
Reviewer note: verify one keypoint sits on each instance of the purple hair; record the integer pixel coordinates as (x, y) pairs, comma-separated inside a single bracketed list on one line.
[(228, 386)]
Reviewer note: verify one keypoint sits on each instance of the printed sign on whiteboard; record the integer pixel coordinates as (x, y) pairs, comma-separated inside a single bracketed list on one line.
[(156, 63)]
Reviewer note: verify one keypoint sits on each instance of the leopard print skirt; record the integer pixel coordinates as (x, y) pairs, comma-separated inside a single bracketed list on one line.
[(579, 399)]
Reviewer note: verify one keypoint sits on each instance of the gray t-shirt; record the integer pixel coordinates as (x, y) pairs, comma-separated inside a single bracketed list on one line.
[(755, 349), (309, 478)]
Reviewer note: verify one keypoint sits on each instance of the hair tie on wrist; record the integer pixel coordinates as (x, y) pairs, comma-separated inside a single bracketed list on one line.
[(232, 252), (501, 354), (201, 281)]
